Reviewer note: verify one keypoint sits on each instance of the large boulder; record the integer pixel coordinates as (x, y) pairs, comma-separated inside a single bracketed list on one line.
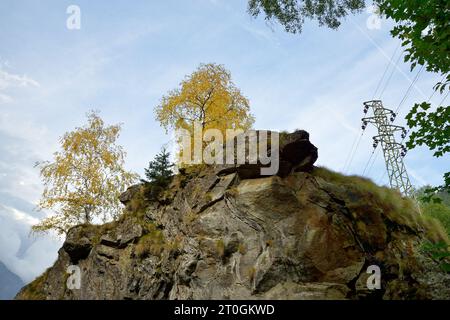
[(79, 242), (296, 153), (126, 196)]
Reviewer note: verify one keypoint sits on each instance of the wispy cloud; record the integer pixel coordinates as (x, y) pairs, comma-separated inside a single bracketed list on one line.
[(10, 80)]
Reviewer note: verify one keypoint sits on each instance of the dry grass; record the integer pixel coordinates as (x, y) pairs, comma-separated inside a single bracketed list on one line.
[(242, 248), (153, 243), (251, 273), (33, 291), (401, 210), (220, 247)]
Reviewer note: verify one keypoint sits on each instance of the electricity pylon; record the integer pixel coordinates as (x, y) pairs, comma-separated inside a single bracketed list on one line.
[(393, 151)]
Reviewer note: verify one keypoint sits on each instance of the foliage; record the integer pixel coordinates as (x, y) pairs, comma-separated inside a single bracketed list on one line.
[(159, 172), (422, 194), (292, 13), (153, 243), (34, 290), (433, 130), (395, 207), (438, 208), (85, 179), (207, 96), (438, 211), (138, 203), (423, 27), (440, 252)]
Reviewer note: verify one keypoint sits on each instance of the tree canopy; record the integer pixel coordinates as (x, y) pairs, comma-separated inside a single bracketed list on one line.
[(424, 29), (159, 171), (85, 179), (207, 96), (291, 14)]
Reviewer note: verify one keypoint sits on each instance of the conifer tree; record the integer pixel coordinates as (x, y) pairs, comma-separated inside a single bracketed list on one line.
[(159, 171)]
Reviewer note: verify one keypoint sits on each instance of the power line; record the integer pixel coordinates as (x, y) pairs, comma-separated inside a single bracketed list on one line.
[(405, 96), (394, 152), (434, 91), (380, 180), (371, 155), (356, 148), (373, 161), (390, 76), (357, 139), (442, 101), (409, 89), (348, 155), (386, 69)]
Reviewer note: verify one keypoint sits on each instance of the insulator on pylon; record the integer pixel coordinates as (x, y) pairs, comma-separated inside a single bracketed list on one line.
[(363, 127), (404, 133), (392, 119)]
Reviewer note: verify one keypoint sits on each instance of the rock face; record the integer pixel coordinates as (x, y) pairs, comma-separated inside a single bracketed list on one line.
[(296, 153), (308, 234)]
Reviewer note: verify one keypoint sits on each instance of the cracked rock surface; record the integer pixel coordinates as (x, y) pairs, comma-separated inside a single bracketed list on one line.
[(215, 234)]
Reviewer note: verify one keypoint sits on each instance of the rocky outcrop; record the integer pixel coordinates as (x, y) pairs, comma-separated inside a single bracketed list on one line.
[(310, 234), (296, 153)]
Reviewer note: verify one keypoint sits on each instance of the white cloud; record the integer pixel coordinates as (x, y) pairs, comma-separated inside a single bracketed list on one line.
[(25, 256), (8, 80), (18, 215)]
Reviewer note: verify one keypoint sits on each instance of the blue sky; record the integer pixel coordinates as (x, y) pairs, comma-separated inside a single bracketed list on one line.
[(128, 54)]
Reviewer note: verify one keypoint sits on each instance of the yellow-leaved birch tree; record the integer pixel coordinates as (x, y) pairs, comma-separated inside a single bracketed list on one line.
[(209, 97), (85, 179)]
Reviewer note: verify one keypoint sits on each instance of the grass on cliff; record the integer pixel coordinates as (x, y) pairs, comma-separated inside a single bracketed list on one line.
[(397, 208), (440, 212), (153, 243), (33, 291)]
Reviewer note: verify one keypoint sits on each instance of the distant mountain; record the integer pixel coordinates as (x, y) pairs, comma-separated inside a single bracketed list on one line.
[(10, 283)]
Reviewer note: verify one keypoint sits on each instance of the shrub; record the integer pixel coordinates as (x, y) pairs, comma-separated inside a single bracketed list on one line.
[(153, 243), (34, 291), (395, 207), (438, 211)]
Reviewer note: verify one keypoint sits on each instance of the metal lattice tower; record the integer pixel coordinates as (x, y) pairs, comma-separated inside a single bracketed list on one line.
[(393, 151)]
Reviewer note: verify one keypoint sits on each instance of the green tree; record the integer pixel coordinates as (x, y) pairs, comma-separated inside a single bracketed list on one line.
[(292, 13), (438, 208), (424, 29), (159, 172)]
